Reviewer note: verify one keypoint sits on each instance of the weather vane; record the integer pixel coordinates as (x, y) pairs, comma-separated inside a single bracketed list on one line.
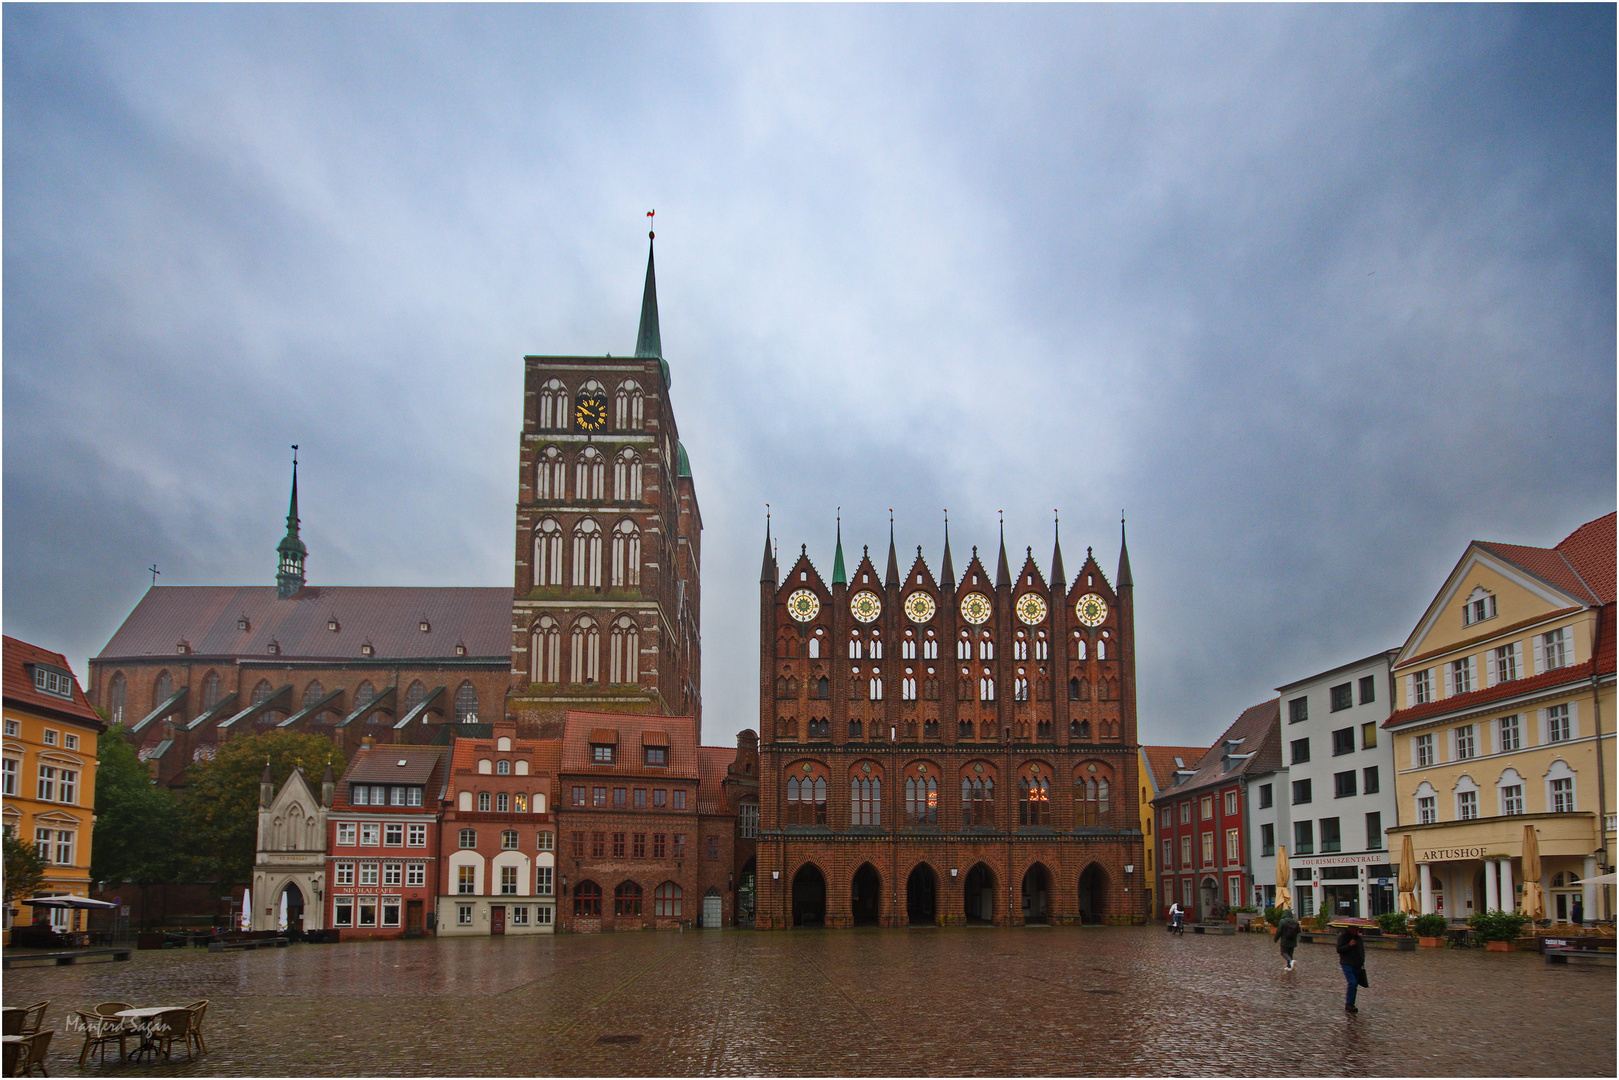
[(650, 235), (155, 572)]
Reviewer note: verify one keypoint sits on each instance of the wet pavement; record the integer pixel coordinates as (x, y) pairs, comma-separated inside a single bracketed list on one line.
[(1034, 1000)]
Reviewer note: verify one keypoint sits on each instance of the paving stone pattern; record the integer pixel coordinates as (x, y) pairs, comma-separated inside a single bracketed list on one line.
[(922, 1002)]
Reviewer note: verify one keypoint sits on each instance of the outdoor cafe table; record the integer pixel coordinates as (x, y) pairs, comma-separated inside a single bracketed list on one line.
[(142, 1018), (11, 1019)]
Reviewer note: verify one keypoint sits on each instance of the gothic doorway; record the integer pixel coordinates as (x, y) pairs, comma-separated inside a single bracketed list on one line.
[(865, 896), (1036, 894), (745, 893), (921, 907), (978, 894), (293, 900), (1092, 894), (809, 896)]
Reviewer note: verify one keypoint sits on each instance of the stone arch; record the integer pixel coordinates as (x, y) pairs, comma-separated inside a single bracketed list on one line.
[(921, 895), (979, 890), (1093, 886), (809, 895), (1037, 893), (866, 896)]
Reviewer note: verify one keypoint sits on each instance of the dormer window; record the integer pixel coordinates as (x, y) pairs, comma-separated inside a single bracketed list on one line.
[(1480, 606), (601, 755), (423, 626), (331, 624), (366, 649), (243, 624), (53, 681), (182, 647), (460, 650), (657, 755), (274, 648)]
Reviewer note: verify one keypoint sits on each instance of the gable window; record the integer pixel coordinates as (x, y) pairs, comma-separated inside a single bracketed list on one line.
[(1480, 606), (601, 755), (52, 681), (1343, 697), (657, 755), (1421, 686)]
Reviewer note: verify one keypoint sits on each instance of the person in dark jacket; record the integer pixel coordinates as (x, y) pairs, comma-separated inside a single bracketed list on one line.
[(1352, 958), (1287, 936)]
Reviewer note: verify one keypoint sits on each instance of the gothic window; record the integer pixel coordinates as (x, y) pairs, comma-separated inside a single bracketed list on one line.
[(856, 728), (587, 898), (589, 472), (212, 690), (549, 475), (876, 685), (548, 553), (1042, 647), (313, 692), (921, 800), (781, 688), (117, 692), (1034, 801), (986, 647), (930, 729), (587, 553), (1080, 729), (814, 648), (627, 476), (964, 686), (628, 405), (986, 686), (964, 647), (415, 695), (545, 651), (907, 647), (627, 899), (165, 687), (1042, 687), (554, 410), (876, 645), (930, 687), (865, 801), (855, 647), (977, 801), (819, 727), (584, 658), (1020, 646), (626, 555), (262, 692), (806, 800), (907, 687), (364, 693), (823, 688), (1091, 799), (930, 647), (1101, 650), (666, 897), (625, 666), (1079, 646), (1020, 687), (466, 704)]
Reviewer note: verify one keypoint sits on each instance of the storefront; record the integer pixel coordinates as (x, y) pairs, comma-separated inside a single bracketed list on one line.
[(1344, 886)]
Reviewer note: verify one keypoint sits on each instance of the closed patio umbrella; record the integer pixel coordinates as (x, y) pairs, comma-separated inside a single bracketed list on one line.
[(1284, 895), (1534, 903), (246, 920), (1408, 878)]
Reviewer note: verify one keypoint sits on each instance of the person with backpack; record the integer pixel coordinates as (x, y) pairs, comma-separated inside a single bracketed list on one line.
[(1352, 958), (1287, 936)]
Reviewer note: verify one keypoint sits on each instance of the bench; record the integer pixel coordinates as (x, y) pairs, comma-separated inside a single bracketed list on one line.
[(1557, 954), (254, 943), (1214, 928), (62, 959)]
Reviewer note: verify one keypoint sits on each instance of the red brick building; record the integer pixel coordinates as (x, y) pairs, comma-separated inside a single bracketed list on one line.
[(383, 841), (499, 836), (1202, 816), (941, 752)]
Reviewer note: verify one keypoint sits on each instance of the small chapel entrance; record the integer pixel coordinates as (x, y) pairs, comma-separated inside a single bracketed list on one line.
[(1036, 894), (293, 899), (978, 894), (921, 906), (1092, 893), (809, 897), (866, 896)]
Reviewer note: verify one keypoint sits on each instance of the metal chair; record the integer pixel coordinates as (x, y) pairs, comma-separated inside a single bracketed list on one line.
[(32, 1053), (198, 1010), (33, 1017), (98, 1032)]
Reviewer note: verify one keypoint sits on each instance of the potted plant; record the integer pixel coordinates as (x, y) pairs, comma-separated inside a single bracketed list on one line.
[(1393, 923), (1498, 930), (1431, 930)]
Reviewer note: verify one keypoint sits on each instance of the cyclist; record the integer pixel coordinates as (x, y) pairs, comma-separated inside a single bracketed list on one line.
[(1177, 917)]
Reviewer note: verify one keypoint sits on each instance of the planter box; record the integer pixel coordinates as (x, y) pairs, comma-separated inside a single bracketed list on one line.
[(1501, 946), (1430, 942)]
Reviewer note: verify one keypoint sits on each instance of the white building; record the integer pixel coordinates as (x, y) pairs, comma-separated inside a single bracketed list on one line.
[(1269, 825), (1334, 798)]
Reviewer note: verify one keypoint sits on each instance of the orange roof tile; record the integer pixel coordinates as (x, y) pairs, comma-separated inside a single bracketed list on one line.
[(20, 690), (1161, 760), (581, 729)]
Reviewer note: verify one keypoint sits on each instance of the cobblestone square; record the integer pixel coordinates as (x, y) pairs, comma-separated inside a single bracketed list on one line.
[(1024, 1001)]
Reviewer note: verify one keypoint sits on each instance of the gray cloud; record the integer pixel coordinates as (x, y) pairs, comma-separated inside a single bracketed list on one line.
[(1315, 294)]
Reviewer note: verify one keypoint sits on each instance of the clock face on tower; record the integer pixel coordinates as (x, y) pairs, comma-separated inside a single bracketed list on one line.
[(975, 608), (1091, 609), (1031, 609), (590, 412), (865, 606), (803, 605), (919, 607)]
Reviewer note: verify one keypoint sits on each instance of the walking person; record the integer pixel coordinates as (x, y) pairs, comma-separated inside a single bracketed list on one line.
[(1352, 958), (1287, 936)]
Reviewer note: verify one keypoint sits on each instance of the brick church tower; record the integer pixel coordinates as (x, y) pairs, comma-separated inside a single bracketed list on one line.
[(936, 751), (605, 601)]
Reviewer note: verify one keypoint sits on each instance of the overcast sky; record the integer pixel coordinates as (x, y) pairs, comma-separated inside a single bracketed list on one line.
[(1315, 295)]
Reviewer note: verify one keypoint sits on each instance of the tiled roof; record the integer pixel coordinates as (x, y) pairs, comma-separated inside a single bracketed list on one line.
[(1161, 760), (580, 729), (427, 766), (20, 689), (1258, 728), (206, 618), (713, 763), (1582, 564)]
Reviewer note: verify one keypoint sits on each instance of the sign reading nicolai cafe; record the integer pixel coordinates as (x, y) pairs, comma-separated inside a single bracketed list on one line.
[(1450, 854)]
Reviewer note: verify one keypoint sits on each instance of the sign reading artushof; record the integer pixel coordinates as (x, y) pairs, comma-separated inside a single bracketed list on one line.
[(1448, 854)]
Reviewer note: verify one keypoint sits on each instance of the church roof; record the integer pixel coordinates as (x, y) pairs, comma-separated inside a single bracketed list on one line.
[(208, 619)]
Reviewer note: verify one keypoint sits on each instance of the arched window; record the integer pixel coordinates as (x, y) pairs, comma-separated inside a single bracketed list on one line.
[(550, 475), (415, 695), (666, 897), (548, 553), (1101, 650), (921, 799), (313, 692), (1020, 687), (907, 646), (856, 648), (1020, 646), (589, 474), (876, 644), (930, 687), (625, 663), (930, 647), (907, 687), (584, 658), (814, 648), (626, 554), (865, 801), (503, 768), (587, 553), (986, 686), (627, 407), (117, 692), (1034, 801), (1042, 648), (876, 685), (262, 692), (364, 693), (587, 899), (164, 687), (823, 688), (627, 476), (627, 899), (977, 801), (1091, 797), (806, 800), (545, 651), (986, 646), (1079, 646), (964, 647), (466, 704), (554, 411), (212, 690)]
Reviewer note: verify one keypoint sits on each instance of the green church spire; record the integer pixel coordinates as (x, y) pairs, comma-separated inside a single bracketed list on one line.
[(290, 552), (648, 342), (839, 576)]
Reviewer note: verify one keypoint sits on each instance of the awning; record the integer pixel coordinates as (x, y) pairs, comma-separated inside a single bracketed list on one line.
[(1605, 879), (68, 902)]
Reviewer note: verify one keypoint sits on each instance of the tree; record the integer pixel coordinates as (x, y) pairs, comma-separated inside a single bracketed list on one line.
[(220, 806), (25, 870), (137, 835)]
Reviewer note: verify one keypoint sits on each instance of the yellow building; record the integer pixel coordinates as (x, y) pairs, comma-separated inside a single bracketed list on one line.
[(1504, 717), (49, 773), (1157, 771)]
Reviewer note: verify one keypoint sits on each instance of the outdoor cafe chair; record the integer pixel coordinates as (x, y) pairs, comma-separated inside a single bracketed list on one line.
[(198, 1010), (112, 1008), (169, 1026), (31, 1053), (98, 1032), (33, 1017)]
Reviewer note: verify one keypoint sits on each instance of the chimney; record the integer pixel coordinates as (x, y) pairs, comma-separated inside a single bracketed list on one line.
[(367, 742)]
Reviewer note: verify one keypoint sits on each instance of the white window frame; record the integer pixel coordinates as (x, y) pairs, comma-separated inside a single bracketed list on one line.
[(347, 834), (1562, 719), (416, 836), (370, 834), (11, 771), (1422, 751), (1511, 804), (1505, 663), (1427, 809), (368, 873), (1467, 804), (415, 874), (1464, 742), (463, 914), (1509, 726)]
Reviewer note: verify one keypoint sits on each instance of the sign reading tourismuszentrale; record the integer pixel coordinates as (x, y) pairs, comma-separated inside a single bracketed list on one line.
[(1446, 854)]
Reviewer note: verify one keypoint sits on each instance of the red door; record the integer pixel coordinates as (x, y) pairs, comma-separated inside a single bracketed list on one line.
[(497, 919)]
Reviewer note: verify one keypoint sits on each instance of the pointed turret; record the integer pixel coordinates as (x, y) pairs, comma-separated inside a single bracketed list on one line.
[(648, 341), (839, 575), (1003, 575), (1057, 581), (891, 579), (947, 569), (1124, 559), (289, 577), (767, 572), (328, 786), (266, 785)]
